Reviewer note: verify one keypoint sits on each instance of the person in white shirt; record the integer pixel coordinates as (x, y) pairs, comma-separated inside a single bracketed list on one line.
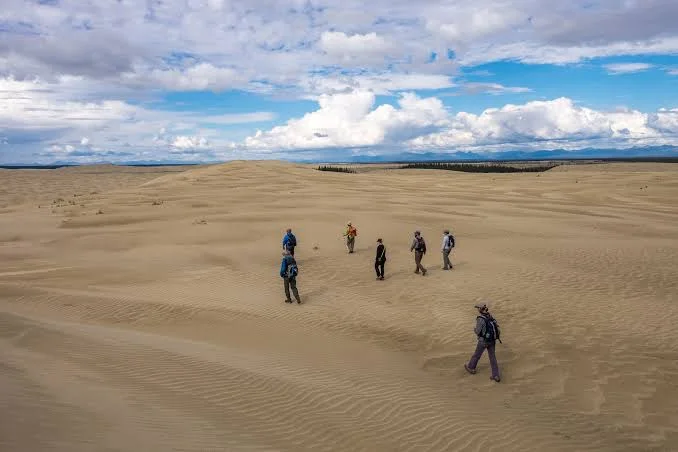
[(448, 244)]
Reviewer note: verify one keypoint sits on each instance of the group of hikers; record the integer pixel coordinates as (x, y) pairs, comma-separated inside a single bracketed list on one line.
[(486, 329)]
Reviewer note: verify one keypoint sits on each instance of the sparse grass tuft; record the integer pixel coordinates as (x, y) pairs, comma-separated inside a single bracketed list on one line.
[(158, 203)]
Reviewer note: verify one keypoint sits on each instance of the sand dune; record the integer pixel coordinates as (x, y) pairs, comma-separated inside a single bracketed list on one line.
[(146, 313)]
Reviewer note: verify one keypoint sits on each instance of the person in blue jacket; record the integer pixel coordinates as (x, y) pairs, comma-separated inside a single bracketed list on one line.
[(289, 242), (289, 272)]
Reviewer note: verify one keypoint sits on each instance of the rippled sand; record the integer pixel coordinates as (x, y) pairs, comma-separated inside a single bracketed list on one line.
[(141, 309)]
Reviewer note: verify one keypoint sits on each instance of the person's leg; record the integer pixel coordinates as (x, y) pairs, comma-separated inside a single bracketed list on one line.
[(352, 243), (446, 259), (473, 362), (376, 268), (417, 260), (383, 265), (293, 283), (287, 290), (493, 362), (292, 250)]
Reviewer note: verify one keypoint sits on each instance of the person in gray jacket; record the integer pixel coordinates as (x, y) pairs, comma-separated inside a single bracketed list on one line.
[(448, 244), (487, 330)]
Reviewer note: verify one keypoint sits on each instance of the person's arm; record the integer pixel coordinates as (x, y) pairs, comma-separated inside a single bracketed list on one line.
[(414, 243), (285, 239), (283, 267), (480, 327), (444, 241)]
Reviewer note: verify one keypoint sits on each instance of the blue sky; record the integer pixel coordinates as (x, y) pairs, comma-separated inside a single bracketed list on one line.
[(213, 80)]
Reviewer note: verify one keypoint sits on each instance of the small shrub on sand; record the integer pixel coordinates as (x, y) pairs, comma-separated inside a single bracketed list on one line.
[(158, 203), (100, 212)]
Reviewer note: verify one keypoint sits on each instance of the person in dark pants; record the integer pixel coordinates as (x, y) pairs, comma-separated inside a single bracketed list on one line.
[(289, 272), (419, 248), (289, 242), (380, 260), (487, 330)]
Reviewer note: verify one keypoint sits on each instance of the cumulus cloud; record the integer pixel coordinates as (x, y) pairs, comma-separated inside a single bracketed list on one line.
[(345, 120), (352, 120)]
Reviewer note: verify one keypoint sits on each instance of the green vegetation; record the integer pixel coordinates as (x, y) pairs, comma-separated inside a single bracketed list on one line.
[(336, 169), (479, 168)]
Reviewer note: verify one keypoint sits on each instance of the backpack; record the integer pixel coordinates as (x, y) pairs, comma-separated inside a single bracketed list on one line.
[(292, 269), (492, 332), (421, 244), (450, 240), (292, 242)]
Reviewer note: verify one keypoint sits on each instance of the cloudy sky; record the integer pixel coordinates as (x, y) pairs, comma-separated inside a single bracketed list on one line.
[(205, 80)]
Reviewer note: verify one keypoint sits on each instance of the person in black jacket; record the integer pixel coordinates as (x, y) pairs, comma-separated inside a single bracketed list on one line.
[(380, 260)]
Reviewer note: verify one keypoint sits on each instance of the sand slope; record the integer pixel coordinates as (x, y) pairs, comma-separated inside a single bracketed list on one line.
[(150, 315)]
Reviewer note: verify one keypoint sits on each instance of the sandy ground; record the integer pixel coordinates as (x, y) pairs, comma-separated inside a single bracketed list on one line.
[(146, 313)]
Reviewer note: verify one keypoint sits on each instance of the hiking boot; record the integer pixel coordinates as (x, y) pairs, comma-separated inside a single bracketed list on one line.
[(298, 301), (496, 378), (288, 301), (423, 273), (469, 370), (381, 278)]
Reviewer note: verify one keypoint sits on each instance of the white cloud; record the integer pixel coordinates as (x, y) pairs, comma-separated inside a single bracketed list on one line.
[(493, 88), (184, 142), (354, 47), (673, 71), (627, 68), (350, 120)]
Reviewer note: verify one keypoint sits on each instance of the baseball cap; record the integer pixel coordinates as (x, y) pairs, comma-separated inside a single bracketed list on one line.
[(481, 305)]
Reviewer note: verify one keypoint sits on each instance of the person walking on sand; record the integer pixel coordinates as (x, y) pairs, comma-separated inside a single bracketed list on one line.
[(380, 259), (289, 242), (289, 272), (487, 330), (419, 247), (448, 244), (350, 235)]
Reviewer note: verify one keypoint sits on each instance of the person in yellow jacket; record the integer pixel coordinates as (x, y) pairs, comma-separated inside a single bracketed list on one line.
[(350, 235)]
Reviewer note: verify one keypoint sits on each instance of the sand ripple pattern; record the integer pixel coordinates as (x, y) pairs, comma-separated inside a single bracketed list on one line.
[(159, 323)]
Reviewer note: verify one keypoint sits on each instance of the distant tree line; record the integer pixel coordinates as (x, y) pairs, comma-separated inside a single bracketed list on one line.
[(478, 168), (336, 169)]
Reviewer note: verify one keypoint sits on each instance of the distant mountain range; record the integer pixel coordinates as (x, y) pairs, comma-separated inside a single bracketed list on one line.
[(636, 153), (556, 154)]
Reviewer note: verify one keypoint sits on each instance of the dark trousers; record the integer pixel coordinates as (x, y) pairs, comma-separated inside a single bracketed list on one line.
[(480, 348), (379, 268), (291, 249), (291, 282)]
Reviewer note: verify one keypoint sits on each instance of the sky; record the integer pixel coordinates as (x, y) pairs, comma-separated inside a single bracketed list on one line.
[(215, 80)]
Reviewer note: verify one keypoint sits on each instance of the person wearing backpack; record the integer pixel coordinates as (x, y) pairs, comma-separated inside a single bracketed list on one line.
[(419, 247), (289, 242), (380, 259), (289, 272), (448, 244), (350, 234), (487, 330)]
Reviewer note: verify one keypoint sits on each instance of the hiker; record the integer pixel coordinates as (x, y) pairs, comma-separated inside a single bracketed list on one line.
[(350, 234), (380, 259), (419, 247), (289, 272), (289, 242), (487, 330), (448, 244)]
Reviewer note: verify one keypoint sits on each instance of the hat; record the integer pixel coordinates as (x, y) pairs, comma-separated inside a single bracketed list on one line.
[(378, 240), (348, 224), (446, 231), (481, 306)]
